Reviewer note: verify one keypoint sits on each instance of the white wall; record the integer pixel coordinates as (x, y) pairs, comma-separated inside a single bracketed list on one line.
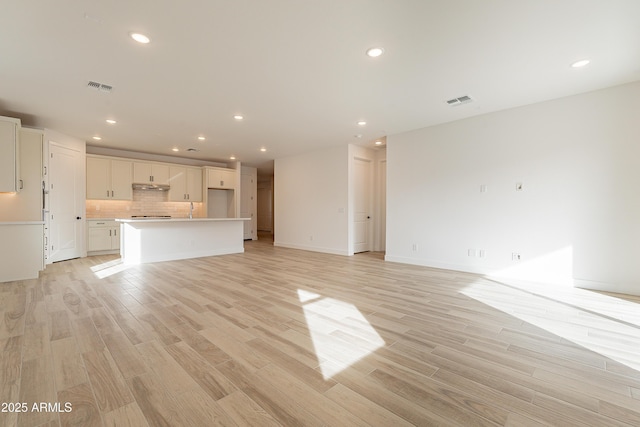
[(381, 200), (311, 201), (577, 219)]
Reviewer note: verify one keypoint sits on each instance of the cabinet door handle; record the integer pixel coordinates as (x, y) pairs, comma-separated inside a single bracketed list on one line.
[(21, 184), (111, 193), (107, 193), (221, 183), (109, 233), (115, 232)]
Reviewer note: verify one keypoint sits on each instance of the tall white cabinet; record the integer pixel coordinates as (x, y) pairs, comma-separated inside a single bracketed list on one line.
[(21, 224), (249, 201), (9, 160)]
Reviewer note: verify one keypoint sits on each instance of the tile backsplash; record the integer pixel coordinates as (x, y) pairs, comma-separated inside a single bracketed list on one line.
[(144, 203)]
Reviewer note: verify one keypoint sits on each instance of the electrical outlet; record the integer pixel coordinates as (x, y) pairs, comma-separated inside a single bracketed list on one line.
[(481, 253), (311, 238), (518, 186), (415, 247), (516, 256)]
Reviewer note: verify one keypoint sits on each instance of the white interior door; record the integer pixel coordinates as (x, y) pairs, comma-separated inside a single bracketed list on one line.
[(362, 205), (66, 224)]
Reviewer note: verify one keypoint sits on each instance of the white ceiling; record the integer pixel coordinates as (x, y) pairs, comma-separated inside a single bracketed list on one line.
[(297, 69)]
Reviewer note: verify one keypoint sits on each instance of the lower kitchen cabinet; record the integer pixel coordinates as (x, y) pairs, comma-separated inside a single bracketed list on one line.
[(103, 236)]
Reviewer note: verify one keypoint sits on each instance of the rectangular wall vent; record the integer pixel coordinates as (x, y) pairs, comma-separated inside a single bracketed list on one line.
[(459, 101), (100, 86)]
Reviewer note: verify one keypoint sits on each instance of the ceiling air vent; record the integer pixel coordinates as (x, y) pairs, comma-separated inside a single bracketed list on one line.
[(459, 101), (100, 86)]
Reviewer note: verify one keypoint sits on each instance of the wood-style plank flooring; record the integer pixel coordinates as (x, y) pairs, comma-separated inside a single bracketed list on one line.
[(282, 337)]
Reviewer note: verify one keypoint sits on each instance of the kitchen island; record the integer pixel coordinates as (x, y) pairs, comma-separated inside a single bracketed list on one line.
[(153, 240)]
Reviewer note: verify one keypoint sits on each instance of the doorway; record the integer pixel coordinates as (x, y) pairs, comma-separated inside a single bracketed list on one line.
[(362, 179), (66, 203)]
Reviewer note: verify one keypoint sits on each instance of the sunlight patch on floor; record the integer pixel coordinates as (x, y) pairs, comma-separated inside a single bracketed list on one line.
[(107, 269), (553, 267), (341, 335), (603, 324)]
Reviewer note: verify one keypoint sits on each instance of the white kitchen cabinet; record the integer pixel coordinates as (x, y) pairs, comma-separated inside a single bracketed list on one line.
[(194, 184), (151, 173), (185, 184), (21, 255), (9, 162), (221, 178), (109, 179), (103, 236)]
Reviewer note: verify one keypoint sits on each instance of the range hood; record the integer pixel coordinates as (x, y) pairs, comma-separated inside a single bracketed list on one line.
[(156, 187)]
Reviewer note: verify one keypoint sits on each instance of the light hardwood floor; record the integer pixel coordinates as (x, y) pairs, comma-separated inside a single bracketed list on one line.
[(278, 336)]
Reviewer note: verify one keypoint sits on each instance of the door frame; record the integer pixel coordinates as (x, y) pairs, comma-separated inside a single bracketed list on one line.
[(56, 139), (370, 188)]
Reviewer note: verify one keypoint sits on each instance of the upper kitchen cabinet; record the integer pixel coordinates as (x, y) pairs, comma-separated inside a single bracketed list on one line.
[(185, 184), (221, 178), (109, 179), (28, 204), (9, 171), (150, 173)]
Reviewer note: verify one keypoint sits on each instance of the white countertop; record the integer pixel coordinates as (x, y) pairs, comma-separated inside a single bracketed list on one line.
[(21, 222), (173, 220)]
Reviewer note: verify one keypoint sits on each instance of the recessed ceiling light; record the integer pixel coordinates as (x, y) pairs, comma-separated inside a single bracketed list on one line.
[(175, 149), (201, 138), (238, 117), (97, 138), (374, 52), (362, 123), (232, 158), (378, 142), (581, 63), (140, 38), (263, 149), (111, 121)]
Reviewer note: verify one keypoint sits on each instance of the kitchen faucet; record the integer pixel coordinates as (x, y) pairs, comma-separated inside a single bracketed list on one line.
[(191, 210)]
